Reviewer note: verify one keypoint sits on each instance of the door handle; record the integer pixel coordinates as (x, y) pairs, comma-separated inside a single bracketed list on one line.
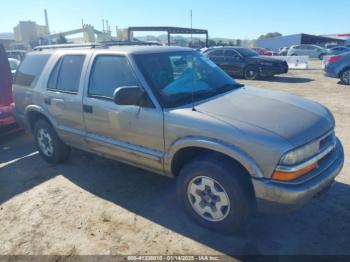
[(47, 100), (87, 109), (58, 100)]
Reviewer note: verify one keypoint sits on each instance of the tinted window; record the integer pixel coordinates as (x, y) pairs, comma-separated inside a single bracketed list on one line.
[(219, 52), (30, 69), (52, 84), (109, 73), (246, 52), (231, 53), (69, 75)]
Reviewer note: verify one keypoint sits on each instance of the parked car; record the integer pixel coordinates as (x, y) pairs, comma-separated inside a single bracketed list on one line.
[(337, 50), (7, 120), (263, 51), (284, 51), (312, 51), (339, 67), (245, 62), (172, 111), (14, 63)]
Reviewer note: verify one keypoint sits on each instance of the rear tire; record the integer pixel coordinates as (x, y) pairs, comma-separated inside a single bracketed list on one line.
[(345, 77), (50, 147), (321, 56), (251, 73), (215, 196)]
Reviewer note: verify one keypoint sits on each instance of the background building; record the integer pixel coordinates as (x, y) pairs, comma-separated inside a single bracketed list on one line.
[(27, 31), (275, 43), (345, 37)]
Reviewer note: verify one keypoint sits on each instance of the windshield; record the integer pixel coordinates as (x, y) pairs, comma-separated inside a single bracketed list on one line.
[(179, 78), (247, 52)]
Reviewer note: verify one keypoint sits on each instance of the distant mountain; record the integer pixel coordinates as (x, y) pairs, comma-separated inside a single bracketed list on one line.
[(7, 36)]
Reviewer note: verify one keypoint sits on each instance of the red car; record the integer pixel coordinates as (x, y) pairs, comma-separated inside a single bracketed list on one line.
[(263, 51), (7, 120)]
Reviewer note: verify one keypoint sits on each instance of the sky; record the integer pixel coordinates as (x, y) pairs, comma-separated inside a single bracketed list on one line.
[(238, 19)]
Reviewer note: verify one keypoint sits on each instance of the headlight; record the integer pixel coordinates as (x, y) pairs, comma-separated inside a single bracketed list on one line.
[(299, 155)]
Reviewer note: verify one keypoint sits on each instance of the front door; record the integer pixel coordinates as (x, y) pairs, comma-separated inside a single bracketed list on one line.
[(233, 63), (131, 133)]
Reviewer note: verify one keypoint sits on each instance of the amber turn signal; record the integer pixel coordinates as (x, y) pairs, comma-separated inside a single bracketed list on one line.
[(288, 176)]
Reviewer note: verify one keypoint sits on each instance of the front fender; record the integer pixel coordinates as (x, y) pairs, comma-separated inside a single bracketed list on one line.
[(244, 159)]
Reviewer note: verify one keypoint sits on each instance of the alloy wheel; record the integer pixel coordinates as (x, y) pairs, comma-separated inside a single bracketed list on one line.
[(346, 77), (208, 198), (45, 142)]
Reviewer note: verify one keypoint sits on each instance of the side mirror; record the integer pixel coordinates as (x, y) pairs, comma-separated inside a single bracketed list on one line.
[(128, 95)]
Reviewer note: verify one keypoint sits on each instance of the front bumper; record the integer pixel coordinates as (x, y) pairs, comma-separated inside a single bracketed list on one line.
[(8, 125), (272, 196), (274, 70), (7, 121)]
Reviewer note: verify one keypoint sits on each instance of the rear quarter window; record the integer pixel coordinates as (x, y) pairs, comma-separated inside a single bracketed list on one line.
[(30, 69)]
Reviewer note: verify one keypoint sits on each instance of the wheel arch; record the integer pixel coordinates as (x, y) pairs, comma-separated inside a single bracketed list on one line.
[(188, 149), (34, 113)]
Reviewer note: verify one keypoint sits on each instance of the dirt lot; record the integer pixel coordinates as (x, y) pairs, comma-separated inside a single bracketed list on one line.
[(91, 205)]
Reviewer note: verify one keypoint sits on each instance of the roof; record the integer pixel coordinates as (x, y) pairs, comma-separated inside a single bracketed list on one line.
[(122, 48), (134, 49), (149, 49)]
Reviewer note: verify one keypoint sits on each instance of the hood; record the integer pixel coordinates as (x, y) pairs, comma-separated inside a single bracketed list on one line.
[(293, 118), (5, 79)]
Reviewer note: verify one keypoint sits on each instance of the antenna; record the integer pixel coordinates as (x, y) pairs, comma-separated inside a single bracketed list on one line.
[(193, 106)]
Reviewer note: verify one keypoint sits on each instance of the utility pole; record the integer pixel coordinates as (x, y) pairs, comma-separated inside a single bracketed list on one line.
[(48, 28)]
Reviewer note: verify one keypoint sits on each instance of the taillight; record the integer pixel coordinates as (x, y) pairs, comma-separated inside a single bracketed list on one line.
[(333, 59)]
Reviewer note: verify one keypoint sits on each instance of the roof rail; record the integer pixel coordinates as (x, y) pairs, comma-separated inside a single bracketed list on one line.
[(130, 43), (86, 45)]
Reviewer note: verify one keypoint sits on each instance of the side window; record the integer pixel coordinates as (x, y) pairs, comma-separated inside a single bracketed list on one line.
[(219, 52), (52, 83), (29, 71), (231, 54), (66, 74), (108, 73)]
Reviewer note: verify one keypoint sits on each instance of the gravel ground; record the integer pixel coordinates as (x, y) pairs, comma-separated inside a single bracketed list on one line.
[(92, 205)]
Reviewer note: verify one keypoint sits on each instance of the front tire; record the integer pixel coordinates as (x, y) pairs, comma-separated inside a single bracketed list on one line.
[(50, 147), (215, 195), (345, 77), (251, 73)]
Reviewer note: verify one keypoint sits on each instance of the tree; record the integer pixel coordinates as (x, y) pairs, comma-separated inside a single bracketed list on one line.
[(269, 35)]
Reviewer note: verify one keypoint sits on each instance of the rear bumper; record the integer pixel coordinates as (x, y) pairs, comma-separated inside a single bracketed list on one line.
[(331, 74), (280, 197)]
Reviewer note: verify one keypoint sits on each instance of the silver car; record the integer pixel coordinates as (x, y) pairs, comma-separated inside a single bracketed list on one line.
[(312, 51), (172, 111)]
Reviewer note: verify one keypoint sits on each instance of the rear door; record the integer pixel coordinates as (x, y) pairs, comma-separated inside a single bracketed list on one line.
[(131, 133), (63, 97)]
